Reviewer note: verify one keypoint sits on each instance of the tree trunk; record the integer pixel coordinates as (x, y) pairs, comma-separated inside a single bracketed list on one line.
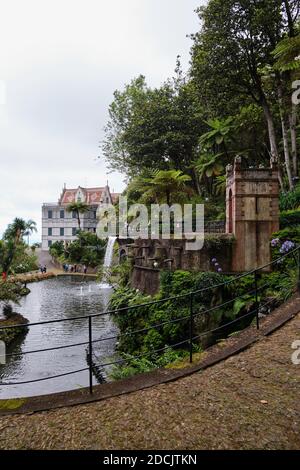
[(196, 179), (293, 124), (280, 178), (168, 198), (79, 223), (271, 132), (285, 138), (286, 150), (290, 18)]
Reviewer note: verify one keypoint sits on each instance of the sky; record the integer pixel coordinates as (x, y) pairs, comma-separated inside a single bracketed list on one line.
[(60, 62)]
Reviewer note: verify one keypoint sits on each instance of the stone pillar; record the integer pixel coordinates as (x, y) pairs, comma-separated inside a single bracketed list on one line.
[(252, 213)]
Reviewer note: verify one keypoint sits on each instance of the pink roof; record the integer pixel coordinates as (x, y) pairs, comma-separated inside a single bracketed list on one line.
[(92, 195)]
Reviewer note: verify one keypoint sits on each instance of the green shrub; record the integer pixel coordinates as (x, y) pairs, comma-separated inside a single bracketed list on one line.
[(10, 291), (56, 249), (290, 200), (275, 287), (86, 249), (24, 263), (281, 284), (146, 364), (290, 218), (175, 309), (291, 233)]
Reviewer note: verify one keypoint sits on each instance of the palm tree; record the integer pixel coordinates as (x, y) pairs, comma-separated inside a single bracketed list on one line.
[(15, 230), (166, 186), (287, 54), (30, 228), (18, 229), (78, 208)]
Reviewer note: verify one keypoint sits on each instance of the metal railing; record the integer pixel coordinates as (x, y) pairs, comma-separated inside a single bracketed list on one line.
[(215, 226), (189, 320)]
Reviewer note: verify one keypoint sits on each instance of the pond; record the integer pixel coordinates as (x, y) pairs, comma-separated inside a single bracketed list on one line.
[(58, 298)]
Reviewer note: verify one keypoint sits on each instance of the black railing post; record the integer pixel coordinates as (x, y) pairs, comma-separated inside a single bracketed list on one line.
[(256, 299), (191, 327), (90, 355)]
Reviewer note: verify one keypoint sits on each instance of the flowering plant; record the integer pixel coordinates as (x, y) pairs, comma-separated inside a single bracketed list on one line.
[(287, 246), (284, 246), (216, 265)]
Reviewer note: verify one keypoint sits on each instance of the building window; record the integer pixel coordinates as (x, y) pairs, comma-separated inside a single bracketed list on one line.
[(50, 214), (62, 214), (62, 232), (49, 243), (95, 214), (74, 231), (49, 232), (74, 215)]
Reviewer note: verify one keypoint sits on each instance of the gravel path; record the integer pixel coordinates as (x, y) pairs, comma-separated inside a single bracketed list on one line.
[(249, 401)]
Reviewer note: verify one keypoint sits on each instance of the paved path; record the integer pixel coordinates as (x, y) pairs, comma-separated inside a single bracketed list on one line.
[(44, 259), (249, 401)]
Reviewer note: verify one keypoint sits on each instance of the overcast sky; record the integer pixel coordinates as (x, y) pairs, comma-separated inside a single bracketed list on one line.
[(60, 62)]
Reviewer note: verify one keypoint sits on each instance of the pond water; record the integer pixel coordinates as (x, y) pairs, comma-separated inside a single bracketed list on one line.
[(57, 298)]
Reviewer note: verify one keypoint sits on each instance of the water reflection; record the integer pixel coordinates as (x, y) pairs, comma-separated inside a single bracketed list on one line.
[(58, 298)]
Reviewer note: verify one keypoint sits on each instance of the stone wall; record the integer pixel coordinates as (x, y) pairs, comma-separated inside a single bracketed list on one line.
[(149, 257), (252, 215), (145, 279)]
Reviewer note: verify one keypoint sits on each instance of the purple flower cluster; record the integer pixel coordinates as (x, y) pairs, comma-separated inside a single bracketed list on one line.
[(275, 242), (216, 265), (284, 247), (287, 246)]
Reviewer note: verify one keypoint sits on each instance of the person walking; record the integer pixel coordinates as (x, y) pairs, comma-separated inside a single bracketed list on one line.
[(84, 269)]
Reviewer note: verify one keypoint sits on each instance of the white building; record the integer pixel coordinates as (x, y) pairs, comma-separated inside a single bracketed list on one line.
[(60, 225)]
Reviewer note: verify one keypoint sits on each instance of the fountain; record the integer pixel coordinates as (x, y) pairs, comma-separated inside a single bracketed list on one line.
[(108, 259)]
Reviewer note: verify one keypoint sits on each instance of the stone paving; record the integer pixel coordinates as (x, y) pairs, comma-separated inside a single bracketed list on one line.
[(249, 401)]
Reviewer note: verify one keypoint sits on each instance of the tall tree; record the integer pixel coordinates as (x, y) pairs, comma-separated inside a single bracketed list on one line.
[(19, 228), (231, 50), (78, 208), (30, 228), (287, 57), (168, 186), (154, 129)]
